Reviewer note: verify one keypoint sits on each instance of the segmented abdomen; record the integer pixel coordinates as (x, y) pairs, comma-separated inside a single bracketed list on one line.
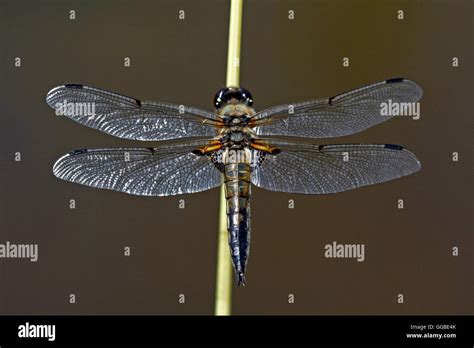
[(237, 193)]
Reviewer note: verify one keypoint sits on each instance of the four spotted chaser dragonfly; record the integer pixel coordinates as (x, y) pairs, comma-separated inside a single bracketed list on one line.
[(235, 146)]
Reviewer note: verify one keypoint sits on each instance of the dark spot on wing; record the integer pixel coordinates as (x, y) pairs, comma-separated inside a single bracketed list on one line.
[(77, 152), (394, 147), (330, 100), (197, 152), (320, 147), (275, 151), (395, 80), (73, 85), (151, 149), (139, 102)]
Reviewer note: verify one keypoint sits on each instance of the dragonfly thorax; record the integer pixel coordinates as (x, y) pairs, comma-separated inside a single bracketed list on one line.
[(236, 133), (236, 139), (234, 121)]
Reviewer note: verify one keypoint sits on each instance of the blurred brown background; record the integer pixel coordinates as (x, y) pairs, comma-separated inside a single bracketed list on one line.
[(408, 251)]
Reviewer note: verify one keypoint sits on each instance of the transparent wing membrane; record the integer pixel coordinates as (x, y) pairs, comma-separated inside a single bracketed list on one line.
[(130, 118), (313, 169), (160, 171), (171, 169), (344, 114)]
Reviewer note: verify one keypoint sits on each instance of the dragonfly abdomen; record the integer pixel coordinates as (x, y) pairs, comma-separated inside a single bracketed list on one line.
[(237, 193)]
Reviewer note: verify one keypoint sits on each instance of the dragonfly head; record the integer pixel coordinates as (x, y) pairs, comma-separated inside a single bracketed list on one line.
[(232, 95)]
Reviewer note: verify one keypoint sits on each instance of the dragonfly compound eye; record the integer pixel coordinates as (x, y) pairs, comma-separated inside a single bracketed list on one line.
[(232, 95)]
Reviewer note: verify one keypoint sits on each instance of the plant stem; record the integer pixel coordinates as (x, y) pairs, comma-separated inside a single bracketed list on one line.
[(224, 267), (233, 55)]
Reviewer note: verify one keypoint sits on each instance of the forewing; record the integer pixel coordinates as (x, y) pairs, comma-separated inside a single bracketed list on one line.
[(344, 114), (313, 169), (130, 118), (160, 171)]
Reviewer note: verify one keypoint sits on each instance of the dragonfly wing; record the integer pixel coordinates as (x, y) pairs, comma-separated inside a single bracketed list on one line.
[(313, 169), (160, 171), (130, 118), (344, 114)]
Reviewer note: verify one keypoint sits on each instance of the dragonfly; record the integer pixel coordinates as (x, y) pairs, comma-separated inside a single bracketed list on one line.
[(234, 146)]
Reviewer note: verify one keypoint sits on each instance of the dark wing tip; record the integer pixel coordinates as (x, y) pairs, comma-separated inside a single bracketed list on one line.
[(415, 161), (50, 96), (73, 85), (395, 80), (76, 152), (58, 166), (416, 90), (415, 164), (394, 147)]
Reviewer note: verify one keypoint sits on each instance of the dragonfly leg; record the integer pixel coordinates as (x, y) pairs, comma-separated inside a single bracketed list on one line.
[(214, 145), (261, 145)]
